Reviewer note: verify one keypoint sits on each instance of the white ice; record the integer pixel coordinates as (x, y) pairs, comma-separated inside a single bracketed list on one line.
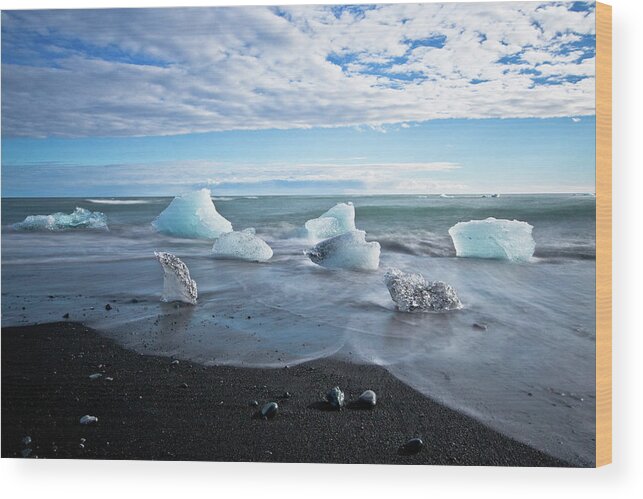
[(177, 284), (412, 292), (346, 251), (491, 238), (79, 219), (338, 220), (242, 245), (193, 216)]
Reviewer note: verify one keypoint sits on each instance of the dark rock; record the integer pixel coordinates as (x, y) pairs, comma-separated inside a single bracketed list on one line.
[(108, 307), (254, 403), (413, 446), (479, 327), (66, 316)]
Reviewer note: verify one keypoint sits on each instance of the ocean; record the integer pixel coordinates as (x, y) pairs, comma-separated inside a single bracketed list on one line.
[(529, 375)]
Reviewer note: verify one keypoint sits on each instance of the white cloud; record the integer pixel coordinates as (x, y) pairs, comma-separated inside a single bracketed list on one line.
[(172, 71)]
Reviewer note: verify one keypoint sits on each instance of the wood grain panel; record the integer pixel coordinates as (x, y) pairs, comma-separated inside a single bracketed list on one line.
[(603, 234)]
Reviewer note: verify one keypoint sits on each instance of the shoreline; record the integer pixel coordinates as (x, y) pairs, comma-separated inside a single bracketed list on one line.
[(153, 409)]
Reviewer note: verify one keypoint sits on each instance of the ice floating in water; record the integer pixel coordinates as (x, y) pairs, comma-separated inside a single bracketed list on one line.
[(192, 215), (177, 285), (491, 238), (87, 419), (412, 292), (348, 251), (79, 219), (243, 245), (338, 220)]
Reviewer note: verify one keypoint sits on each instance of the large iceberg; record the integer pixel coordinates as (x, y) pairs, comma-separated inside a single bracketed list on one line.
[(412, 292), (346, 251), (491, 238), (177, 284), (193, 216), (243, 245), (79, 219), (338, 220)]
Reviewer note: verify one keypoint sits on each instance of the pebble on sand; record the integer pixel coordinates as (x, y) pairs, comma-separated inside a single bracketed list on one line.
[(269, 410), (367, 399), (479, 326), (108, 307), (335, 397), (87, 419), (413, 446)]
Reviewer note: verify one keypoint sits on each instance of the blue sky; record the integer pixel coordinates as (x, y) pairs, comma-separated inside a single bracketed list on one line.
[(429, 98)]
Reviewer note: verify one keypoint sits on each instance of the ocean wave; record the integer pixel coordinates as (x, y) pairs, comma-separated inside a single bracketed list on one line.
[(118, 201)]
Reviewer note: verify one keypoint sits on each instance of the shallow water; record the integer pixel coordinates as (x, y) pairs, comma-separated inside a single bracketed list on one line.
[(529, 375)]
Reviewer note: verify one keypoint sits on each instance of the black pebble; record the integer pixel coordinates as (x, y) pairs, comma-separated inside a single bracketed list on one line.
[(108, 307), (66, 316), (413, 446)]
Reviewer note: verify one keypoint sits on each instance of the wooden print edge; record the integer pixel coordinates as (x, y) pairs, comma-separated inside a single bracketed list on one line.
[(603, 234)]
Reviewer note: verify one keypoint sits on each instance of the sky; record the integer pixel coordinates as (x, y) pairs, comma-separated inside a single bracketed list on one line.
[(369, 99)]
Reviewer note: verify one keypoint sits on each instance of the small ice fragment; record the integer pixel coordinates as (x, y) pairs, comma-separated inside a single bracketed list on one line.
[(87, 419), (193, 216), (335, 397), (338, 220), (109, 378), (412, 292), (177, 285), (491, 238), (269, 410), (26, 441), (242, 245), (347, 251), (95, 376), (80, 218)]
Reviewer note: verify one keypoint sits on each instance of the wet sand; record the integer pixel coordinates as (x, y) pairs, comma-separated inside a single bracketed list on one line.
[(154, 409)]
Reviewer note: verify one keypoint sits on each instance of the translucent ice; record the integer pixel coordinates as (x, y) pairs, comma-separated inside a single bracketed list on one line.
[(177, 285), (412, 292), (193, 216), (338, 220), (491, 238), (243, 245), (79, 219), (348, 251)]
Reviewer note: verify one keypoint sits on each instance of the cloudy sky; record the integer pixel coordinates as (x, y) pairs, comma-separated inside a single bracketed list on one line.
[(403, 98)]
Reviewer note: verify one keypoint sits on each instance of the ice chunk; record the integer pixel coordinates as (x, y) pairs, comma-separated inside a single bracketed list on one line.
[(491, 238), (79, 219), (348, 251), (193, 216), (338, 220), (412, 292), (177, 285), (243, 245)]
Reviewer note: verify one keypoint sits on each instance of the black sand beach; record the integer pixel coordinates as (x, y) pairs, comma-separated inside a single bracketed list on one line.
[(156, 410)]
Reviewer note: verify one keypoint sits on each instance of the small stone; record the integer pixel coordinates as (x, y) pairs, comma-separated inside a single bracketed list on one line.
[(368, 399), (184, 385), (83, 440), (479, 327), (108, 307), (95, 376), (26, 440), (254, 403), (335, 397), (87, 419), (269, 410), (66, 316), (81, 446), (413, 446), (175, 362), (286, 395), (109, 378)]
